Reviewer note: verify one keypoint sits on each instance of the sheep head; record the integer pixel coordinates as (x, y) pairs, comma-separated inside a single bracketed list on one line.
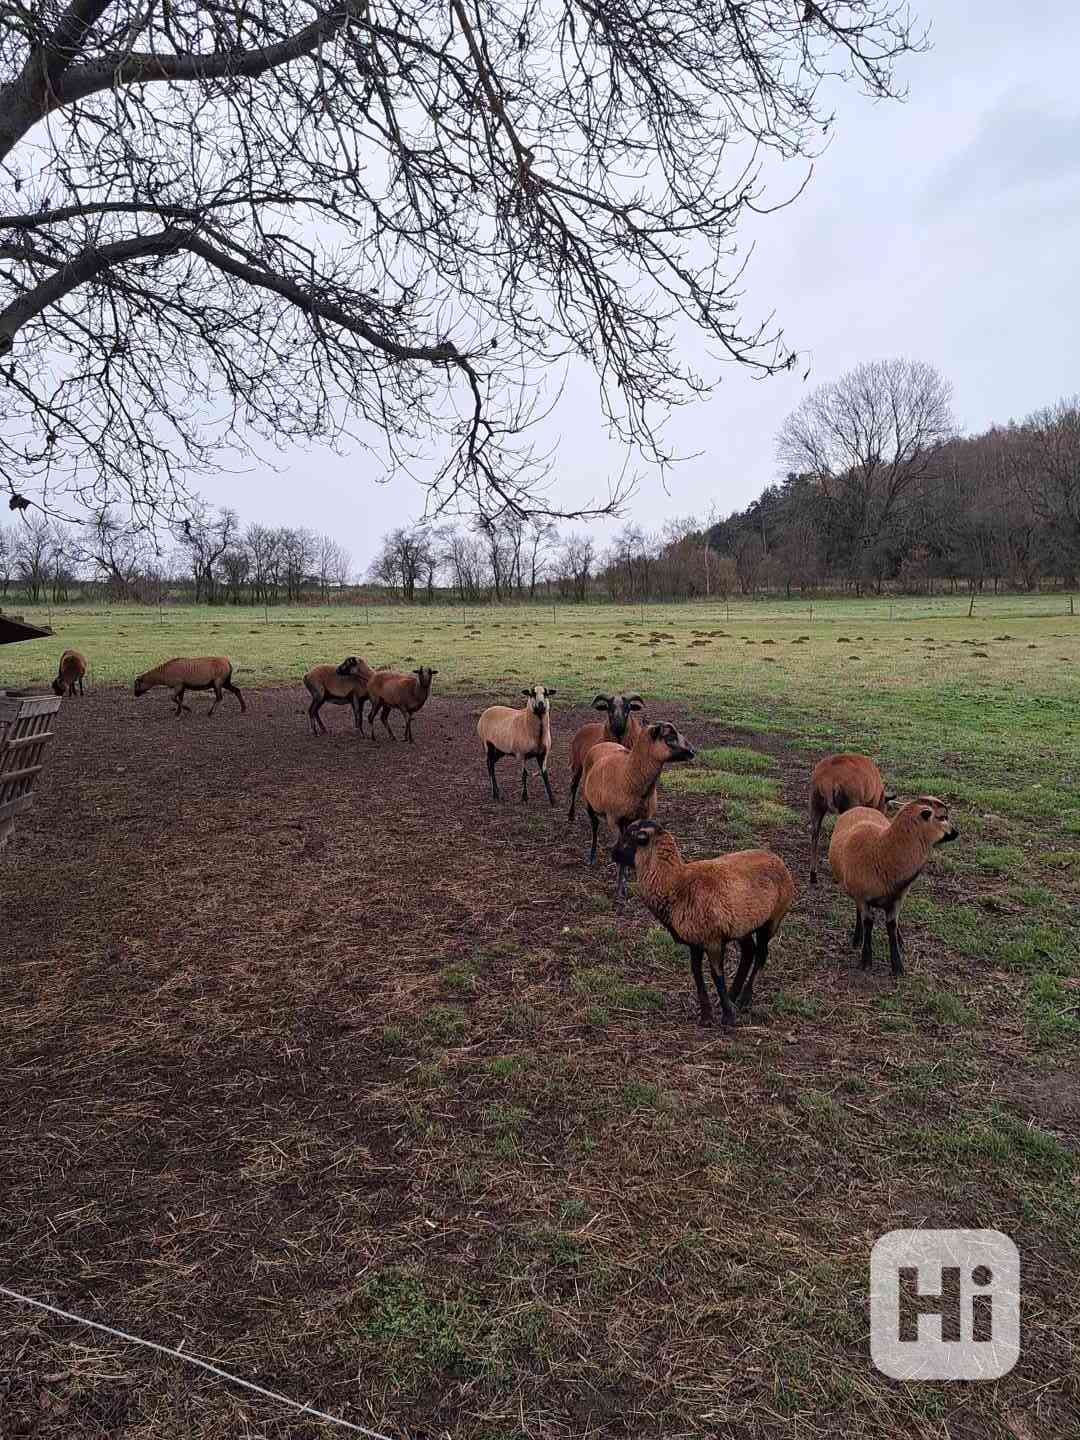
[(929, 818), (619, 708), (424, 674), (668, 744), (349, 666), (538, 698), (635, 839)]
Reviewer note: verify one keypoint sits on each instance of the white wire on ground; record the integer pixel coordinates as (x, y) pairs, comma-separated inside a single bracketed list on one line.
[(193, 1360)]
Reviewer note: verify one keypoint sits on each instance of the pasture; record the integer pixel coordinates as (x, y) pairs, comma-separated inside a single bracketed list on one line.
[(319, 1061)]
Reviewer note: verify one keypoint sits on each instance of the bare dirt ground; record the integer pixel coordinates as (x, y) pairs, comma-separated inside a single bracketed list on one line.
[(318, 1060)]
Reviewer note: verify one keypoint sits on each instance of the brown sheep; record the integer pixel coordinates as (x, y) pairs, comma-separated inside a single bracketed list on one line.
[(202, 672), (344, 684), (838, 783), (876, 860), (621, 726), (705, 904), (524, 733), (71, 672), (387, 690), (620, 785)]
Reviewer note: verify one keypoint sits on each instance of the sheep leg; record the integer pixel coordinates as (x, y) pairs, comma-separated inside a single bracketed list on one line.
[(408, 729), (894, 944), (716, 967), (81, 690), (358, 713), (216, 700), (594, 821), (575, 781), (747, 950), (178, 696), (233, 690), (620, 883), (313, 716), (856, 934), (816, 818), (524, 781), (544, 777), (867, 936), (697, 953), (492, 756), (384, 716)]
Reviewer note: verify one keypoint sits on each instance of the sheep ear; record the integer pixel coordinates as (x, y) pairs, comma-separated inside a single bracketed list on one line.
[(655, 731), (602, 702), (635, 702), (926, 814), (551, 692), (526, 692)]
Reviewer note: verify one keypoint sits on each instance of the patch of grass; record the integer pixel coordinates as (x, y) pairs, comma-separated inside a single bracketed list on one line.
[(722, 782), (1052, 1011), (1035, 897), (1004, 1139), (640, 1095), (996, 859), (506, 1067), (420, 1334), (606, 983), (393, 1039), (798, 1006), (819, 1106), (945, 1007), (963, 928), (736, 759), (445, 1025)]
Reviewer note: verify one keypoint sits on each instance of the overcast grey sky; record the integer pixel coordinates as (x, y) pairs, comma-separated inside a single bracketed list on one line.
[(946, 229)]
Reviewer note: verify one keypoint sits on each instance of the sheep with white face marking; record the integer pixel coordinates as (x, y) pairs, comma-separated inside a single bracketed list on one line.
[(344, 684), (524, 733), (202, 672), (876, 861), (837, 784), (707, 904), (71, 672), (621, 726), (620, 785)]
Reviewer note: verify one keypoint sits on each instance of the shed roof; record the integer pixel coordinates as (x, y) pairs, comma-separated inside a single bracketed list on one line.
[(14, 627)]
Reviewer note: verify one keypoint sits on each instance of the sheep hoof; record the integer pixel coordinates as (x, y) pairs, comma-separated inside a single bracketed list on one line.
[(813, 877)]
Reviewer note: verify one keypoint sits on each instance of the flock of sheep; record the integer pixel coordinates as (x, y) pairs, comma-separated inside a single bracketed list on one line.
[(706, 905)]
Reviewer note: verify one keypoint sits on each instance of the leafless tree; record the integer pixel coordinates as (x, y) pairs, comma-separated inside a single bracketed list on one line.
[(205, 538), (406, 557), (868, 441), (575, 564), (33, 547), (318, 221), (7, 559)]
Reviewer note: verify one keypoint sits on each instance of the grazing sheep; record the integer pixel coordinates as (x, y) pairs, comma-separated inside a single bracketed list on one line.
[(344, 684), (621, 726), (620, 785), (387, 690), (71, 672), (705, 904), (838, 783), (203, 672), (524, 733), (876, 860)]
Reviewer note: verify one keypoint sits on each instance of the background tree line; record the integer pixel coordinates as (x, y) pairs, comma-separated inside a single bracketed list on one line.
[(880, 493)]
